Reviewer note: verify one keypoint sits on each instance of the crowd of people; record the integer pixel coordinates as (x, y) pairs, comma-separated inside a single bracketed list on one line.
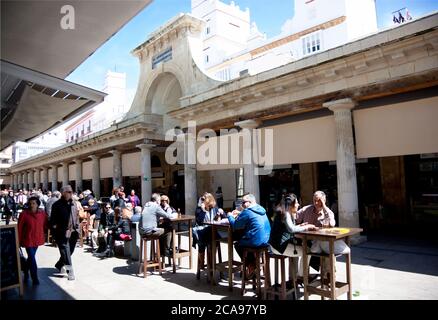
[(67, 214)]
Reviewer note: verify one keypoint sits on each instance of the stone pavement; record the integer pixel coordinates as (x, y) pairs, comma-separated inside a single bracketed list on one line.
[(383, 268)]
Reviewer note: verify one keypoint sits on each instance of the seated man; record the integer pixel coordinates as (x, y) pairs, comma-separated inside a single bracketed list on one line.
[(150, 218), (321, 216), (255, 223)]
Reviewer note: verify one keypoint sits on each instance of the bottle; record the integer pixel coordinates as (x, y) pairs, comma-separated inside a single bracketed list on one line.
[(179, 213)]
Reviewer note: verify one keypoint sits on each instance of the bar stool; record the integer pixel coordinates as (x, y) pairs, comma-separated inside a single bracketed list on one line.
[(209, 260), (272, 289), (323, 281), (260, 254), (155, 255)]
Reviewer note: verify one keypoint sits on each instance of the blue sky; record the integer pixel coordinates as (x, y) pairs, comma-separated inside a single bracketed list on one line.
[(270, 16)]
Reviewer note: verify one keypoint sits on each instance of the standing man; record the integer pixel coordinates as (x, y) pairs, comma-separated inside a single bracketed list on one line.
[(256, 227), (65, 224)]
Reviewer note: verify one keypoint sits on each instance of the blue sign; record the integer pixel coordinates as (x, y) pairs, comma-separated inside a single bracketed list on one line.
[(162, 57)]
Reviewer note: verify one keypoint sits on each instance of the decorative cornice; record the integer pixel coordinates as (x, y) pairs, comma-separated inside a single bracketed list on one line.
[(184, 24), (350, 68), (130, 132)]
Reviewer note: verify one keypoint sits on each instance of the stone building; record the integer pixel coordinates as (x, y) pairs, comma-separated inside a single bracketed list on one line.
[(358, 121)]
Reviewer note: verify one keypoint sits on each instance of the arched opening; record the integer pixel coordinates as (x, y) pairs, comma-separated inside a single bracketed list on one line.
[(163, 97)]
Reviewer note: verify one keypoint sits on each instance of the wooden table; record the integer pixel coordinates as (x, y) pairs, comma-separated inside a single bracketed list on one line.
[(228, 266), (330, 235), (176, 222)]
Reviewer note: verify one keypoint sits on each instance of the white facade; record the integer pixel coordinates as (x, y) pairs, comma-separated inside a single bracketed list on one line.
[(43, 143), (317, 26), (110, 111), (114, 108)]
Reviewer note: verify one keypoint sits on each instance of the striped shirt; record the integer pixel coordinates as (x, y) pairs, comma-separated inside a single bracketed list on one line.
[(311, 216)]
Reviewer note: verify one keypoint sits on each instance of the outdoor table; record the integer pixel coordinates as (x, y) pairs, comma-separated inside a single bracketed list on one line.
[(229, 265), (331, 235), (177, 232)]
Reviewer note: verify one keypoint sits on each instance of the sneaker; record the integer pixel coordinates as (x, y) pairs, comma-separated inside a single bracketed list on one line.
[(70, 273), (59, 266), (35, 282)]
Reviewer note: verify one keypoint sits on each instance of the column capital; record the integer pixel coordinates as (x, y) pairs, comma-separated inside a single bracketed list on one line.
[(78, 160), (339, 105), (116, 152), (94, 157), (248, 124), (145, 146), (54, 166)]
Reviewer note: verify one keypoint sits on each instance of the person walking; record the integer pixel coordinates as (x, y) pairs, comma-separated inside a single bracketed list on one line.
[(10, 208), (32, 225), (64, 221)]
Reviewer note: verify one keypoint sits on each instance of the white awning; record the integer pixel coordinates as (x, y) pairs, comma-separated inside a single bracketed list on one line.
[(404, 128), (32, 36), (33, 102)]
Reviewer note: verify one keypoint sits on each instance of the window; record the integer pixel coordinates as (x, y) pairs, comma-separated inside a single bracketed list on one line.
[(207, 59), (312, 43), (207, 30), (224, 74)]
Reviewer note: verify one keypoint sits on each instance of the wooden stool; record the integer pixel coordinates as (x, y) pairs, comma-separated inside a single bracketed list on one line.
[(260, 260), (155, 257), (323, 281), (209, 259), (283, 292)]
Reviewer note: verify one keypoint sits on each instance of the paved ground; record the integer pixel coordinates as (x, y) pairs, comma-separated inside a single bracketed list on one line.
[(383, 268)]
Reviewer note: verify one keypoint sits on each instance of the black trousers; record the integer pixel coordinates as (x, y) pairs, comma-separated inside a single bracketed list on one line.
[(66, 248)]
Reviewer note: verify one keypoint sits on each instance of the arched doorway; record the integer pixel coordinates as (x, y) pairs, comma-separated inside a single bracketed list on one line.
[(163, 97)]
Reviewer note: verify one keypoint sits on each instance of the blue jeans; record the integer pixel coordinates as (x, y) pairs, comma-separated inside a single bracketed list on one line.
[(31, 262)]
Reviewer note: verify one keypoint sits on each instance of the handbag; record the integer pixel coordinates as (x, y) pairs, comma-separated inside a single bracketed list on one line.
[(23, 261)]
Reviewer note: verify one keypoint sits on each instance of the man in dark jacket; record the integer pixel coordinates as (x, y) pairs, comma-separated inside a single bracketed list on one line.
[(64, 222), (10, 208)]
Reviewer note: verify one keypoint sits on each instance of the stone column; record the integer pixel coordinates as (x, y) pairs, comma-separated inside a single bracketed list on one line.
[(65, 178), (250, 149), (31, 179), (345, 162), (26, 180), (20, 180), (95, 171), (13, 185), (54, 177), (78, 177), (190, 174), (117, 168), (37, 178), (45, 178), (146, 172)]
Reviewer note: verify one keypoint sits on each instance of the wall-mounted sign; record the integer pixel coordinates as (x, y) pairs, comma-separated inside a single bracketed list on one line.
[(164, 56)]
